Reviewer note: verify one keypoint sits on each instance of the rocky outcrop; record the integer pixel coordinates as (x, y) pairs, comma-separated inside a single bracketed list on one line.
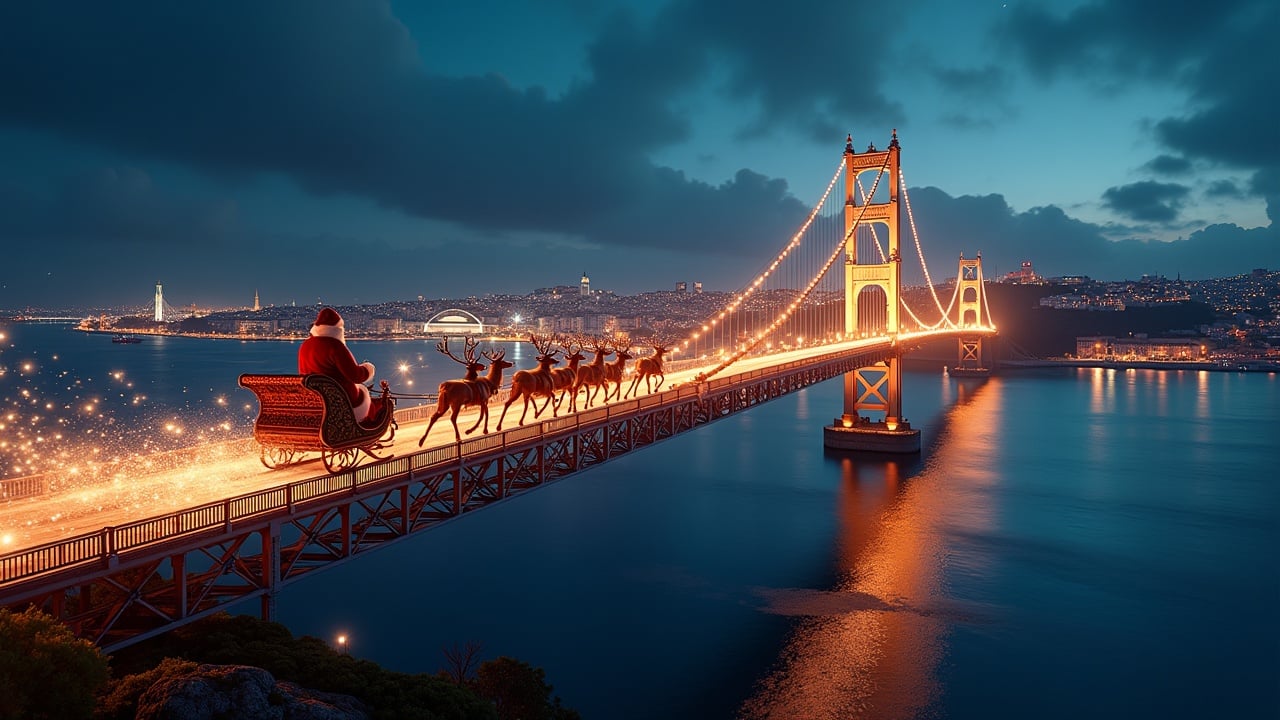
[(240, 691)]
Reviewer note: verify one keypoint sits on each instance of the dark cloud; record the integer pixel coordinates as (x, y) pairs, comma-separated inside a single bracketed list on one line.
[(1168, 165), (801, 86), (1225, 58), (116, 205), (1149, 38), (333, 96), (1234, 87), (1147, 200), (1223, 189), (1060, 245), (1266, 182), (113, 228)]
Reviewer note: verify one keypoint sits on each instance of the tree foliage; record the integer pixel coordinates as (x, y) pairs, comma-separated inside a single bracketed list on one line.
[(311, 663), (46, 672), (519, 691)]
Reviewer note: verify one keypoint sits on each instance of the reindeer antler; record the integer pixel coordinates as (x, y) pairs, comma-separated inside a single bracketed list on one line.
[(493, 356), (468, 350), (543, 344), (570, 344), (662, 341)]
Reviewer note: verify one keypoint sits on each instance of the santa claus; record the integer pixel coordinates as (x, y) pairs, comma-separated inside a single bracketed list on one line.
[(326, 352)]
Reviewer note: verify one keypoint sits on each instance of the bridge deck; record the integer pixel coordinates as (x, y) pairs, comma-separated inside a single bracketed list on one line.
[(229, 470), (221, 471)]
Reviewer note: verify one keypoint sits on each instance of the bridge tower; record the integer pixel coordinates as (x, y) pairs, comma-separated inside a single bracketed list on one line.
[(159, 302), (972, 307), (876, 388)]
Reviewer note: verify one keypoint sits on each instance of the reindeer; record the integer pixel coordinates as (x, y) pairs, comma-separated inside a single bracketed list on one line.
[(470, 390), (529, 384), (613, 371), (564, 377), (590, 376), (647, 367)]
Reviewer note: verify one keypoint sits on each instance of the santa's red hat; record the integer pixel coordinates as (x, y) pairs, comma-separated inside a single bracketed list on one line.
[(329, 316), (329, 324)]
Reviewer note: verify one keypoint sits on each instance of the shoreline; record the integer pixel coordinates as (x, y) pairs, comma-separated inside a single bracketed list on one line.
[(291, 338), (1218, 366), (1221, 366)]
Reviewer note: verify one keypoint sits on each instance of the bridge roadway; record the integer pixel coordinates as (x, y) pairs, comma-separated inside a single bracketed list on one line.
[(125, 560), (231, 469)]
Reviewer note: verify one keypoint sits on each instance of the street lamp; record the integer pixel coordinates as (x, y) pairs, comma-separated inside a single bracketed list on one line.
[(342, 644)]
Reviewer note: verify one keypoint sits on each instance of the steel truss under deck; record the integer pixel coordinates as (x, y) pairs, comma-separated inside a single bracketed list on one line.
[(132, 582)]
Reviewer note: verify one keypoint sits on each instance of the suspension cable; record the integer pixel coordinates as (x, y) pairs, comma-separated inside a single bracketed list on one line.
[(911, 218), (741, 296), (839, 249), (982, 286)]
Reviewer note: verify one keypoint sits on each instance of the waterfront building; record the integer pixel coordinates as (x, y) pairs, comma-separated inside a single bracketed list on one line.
[(1141, 347), (257, 327), (388, 325)]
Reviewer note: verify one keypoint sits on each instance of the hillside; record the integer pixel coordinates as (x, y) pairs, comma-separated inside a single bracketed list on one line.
[(1027, 328)]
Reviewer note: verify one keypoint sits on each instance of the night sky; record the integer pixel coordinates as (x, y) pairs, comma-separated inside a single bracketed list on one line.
[(359, 151)]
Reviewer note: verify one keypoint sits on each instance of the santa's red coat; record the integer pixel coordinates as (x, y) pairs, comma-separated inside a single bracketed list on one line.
[(328, 355)]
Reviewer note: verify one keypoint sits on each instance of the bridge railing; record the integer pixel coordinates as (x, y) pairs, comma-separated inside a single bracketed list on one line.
[(42, 483), (106, 545), (26, 486)]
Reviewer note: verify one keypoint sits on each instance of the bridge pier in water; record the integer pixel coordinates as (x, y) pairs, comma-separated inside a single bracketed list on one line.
[(873, 388)]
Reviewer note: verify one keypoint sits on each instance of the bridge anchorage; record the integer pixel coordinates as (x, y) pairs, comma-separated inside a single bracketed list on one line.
[(877, 389)]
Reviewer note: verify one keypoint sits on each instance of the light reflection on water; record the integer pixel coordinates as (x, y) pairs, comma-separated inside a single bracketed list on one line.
[(1047, 538), (871, 645)]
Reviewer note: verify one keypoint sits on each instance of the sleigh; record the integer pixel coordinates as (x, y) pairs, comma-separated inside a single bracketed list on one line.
[(300, 414)]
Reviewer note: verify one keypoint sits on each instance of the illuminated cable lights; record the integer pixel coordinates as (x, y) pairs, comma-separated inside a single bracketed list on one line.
[(786, 315), (735, 318), (793, 244), (928, 281)]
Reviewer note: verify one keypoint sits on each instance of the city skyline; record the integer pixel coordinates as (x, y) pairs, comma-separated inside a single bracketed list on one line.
[(570, 290), (365, 152)]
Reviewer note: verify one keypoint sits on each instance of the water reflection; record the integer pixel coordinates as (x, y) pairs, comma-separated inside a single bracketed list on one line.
[(871, 646), (1202, 395)]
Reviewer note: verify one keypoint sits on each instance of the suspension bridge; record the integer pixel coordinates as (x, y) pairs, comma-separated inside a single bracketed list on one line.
[(829, 303)]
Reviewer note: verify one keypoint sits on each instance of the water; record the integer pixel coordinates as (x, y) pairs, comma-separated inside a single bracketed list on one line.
[(1069, 544)]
